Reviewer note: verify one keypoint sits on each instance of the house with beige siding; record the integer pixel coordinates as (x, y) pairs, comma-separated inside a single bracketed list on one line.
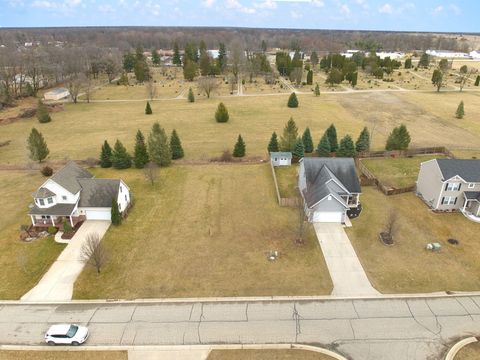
[(451, 185)]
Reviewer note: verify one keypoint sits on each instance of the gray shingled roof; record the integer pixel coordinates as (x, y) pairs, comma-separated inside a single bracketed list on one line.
[(55, 210), (286, 154), (43, 193), (319, 171), (467, 169), (68, 177), (98, 192), (472, 195)]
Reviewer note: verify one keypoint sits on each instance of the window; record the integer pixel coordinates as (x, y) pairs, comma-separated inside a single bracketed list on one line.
[(452, 187), (64, 197), (50, 200), (449, 200), (471, 185), (276, 159), (125, 197), (120, 189), (41, 202)]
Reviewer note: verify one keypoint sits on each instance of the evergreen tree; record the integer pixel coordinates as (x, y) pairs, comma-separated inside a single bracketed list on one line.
[(128, 62), (477, 80), (120, 157), (273, 144), (221, 115), (437, 79), (42, 113), (460, 111), (176, 60), (317, 90), (332, 138), (314, 58), (176, 146), (38, 149), (191, 96), (363, 141), (289, 137), (346, 148), (158, 147), (115, 214), (239, 149), (140, 153), (298, 150), (148, 109), (335, 76), (399, 139), (323, 148), (155, 57), (292, 101), (354, 79), (310, 77), (408, 63), (222, 57), (189, 70), (106, 155), (307, 141), (424, 60)]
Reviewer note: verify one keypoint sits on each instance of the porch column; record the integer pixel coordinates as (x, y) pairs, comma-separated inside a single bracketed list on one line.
[(53, 221), (465, 204), (33, 219), (71, 221)]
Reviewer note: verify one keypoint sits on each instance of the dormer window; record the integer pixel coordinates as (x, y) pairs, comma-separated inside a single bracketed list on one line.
[(41, 202), (64, 197), (50, 200)]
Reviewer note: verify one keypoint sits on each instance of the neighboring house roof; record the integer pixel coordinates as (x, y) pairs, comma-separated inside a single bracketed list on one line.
[(43, 193), (98, 192), (68, 176), (320, 172), (467, 169), (288, 155), (55, 210), (472, 195)]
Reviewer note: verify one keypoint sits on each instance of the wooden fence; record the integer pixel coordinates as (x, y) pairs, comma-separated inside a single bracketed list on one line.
[(407, 153), (285, 202), (369, 179)]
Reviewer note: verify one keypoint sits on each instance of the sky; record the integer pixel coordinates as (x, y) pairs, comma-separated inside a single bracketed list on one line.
[(395, 15)]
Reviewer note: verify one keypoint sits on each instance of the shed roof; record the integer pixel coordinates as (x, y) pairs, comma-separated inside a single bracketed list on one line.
[(286, 154)]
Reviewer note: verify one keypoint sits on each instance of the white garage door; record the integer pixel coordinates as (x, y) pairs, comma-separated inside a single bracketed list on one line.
[(330, 217), (98, 215)]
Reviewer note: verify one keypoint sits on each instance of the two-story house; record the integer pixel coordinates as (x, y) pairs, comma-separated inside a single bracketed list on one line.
[(73, 194), (450, 184)]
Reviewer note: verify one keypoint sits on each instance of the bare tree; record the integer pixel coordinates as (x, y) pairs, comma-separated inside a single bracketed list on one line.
[(74, 85), (237, 58), (296, 75), (88, 83), (232, 82), (464, 77), (151, 171), (151, 89), (93, 253), (390, 229), (207, 84)]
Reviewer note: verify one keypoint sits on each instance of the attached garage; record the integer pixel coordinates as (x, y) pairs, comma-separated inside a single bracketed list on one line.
[(98, 214), (328, 216)]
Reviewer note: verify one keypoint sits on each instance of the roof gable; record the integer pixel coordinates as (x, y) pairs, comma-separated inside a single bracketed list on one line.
[(98, 192), (467, 169), (68, 177)]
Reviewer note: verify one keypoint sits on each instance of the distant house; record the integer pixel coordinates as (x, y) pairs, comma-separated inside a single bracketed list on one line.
[(281, 158), (56, 94), (330, 189), (448, 54), (450, 184), (475, 54), (73, 195)]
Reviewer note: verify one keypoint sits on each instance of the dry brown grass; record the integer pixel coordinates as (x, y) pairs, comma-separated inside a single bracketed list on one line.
[(205, 231), (63, 355), (407, 267), (266, 355)]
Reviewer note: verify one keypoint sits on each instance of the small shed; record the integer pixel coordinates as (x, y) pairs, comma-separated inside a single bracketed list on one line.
[(281, 158), (56, 94)]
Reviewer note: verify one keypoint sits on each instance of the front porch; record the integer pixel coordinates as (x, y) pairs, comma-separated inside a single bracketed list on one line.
[(352, 200), (46, 220), (471, 206)]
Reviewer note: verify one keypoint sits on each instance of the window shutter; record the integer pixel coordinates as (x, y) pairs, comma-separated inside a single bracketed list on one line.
[(446, 186), (443, 200), (455, 201), (459, 186)]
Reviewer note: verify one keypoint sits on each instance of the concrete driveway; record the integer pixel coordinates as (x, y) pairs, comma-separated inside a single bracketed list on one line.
[(346, 271), (57, 283)]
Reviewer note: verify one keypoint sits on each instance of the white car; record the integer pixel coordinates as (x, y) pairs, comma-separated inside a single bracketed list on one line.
[(66, 334)]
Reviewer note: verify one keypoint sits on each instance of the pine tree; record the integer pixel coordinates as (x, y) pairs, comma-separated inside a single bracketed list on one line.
[(189, 70), (38, 149), (408, 63), (273, 144), (332, 138), (399, 139), (289, 137), (460, 111), (292, 101), (477, 80), (437, 79), (299, 150), (176, 146), (424, 60), (323, 148), (191, 96), (221, 115), (42, 113), (354, 79), (158, 147), (239, 149), (176, 60), (155, 57), (307, 141), (148, 109), (310, 77), (115, 214), (120, 157), (317, 90), (222, 57), (106, 155), (363, 141), (346, 148), (140, 153)]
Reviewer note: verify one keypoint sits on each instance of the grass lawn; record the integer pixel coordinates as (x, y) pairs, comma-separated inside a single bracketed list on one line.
[(60, 355), (22, 263), (205, 230), (287, 180), (398, 172), (469, 352), (407, 267), (266, 355)]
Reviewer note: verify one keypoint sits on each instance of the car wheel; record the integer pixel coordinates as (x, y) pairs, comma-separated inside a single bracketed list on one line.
[(51, 343), (75, 343)]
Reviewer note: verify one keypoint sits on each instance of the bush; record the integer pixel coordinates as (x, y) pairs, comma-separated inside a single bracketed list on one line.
[(221, 115), (292, 101), (52, 230), (42, 113), (67, 228), (47, 171)]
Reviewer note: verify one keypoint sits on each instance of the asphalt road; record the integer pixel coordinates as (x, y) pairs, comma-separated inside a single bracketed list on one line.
[(406, 328)]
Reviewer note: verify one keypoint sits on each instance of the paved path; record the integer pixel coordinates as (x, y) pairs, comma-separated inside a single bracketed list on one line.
[(168, 354), (373, 329), (346, 271), (57, 283)]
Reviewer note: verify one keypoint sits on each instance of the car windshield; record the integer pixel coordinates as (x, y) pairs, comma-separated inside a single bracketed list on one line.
[(72, 331)]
